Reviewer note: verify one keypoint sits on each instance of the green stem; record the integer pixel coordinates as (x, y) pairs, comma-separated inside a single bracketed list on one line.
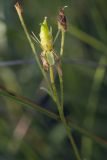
[(61, 88), (61, 113), (53, 85), (60, 75), (60, 108), (57, 34), (62, 42), (32, 45), (68, 130)]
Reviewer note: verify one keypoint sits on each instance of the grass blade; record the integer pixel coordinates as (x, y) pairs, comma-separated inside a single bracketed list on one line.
[(28, 103), (90, 40)]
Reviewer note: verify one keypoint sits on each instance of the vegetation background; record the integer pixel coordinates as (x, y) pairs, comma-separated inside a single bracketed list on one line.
[(28, 135)]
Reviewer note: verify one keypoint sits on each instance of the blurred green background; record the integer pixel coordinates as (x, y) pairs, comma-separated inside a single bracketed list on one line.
[(28, 135)]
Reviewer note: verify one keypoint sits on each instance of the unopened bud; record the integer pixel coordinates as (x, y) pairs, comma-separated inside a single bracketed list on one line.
[(62, 22), (46, 37), (19, 8)]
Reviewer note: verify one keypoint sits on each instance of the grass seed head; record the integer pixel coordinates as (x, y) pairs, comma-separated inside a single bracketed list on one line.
[(62, 22)]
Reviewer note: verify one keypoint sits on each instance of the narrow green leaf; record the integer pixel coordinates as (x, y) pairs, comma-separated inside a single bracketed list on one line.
[(86, 38), (28, 103)]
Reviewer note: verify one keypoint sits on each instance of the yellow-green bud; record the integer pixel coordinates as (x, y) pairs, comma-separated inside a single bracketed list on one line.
[(46, 37)]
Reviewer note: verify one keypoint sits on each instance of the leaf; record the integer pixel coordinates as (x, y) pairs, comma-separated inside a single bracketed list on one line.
[(28, 103), (88, 39)]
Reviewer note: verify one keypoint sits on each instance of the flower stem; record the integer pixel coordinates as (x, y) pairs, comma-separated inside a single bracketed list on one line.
[(19, 12), (60, 108), (62, 42), (61, 113), (61, 88), (57, 34)]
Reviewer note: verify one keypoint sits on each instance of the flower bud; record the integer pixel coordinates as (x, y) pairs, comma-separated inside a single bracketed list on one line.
[(62, 22), (18, 8), (46, 37)]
